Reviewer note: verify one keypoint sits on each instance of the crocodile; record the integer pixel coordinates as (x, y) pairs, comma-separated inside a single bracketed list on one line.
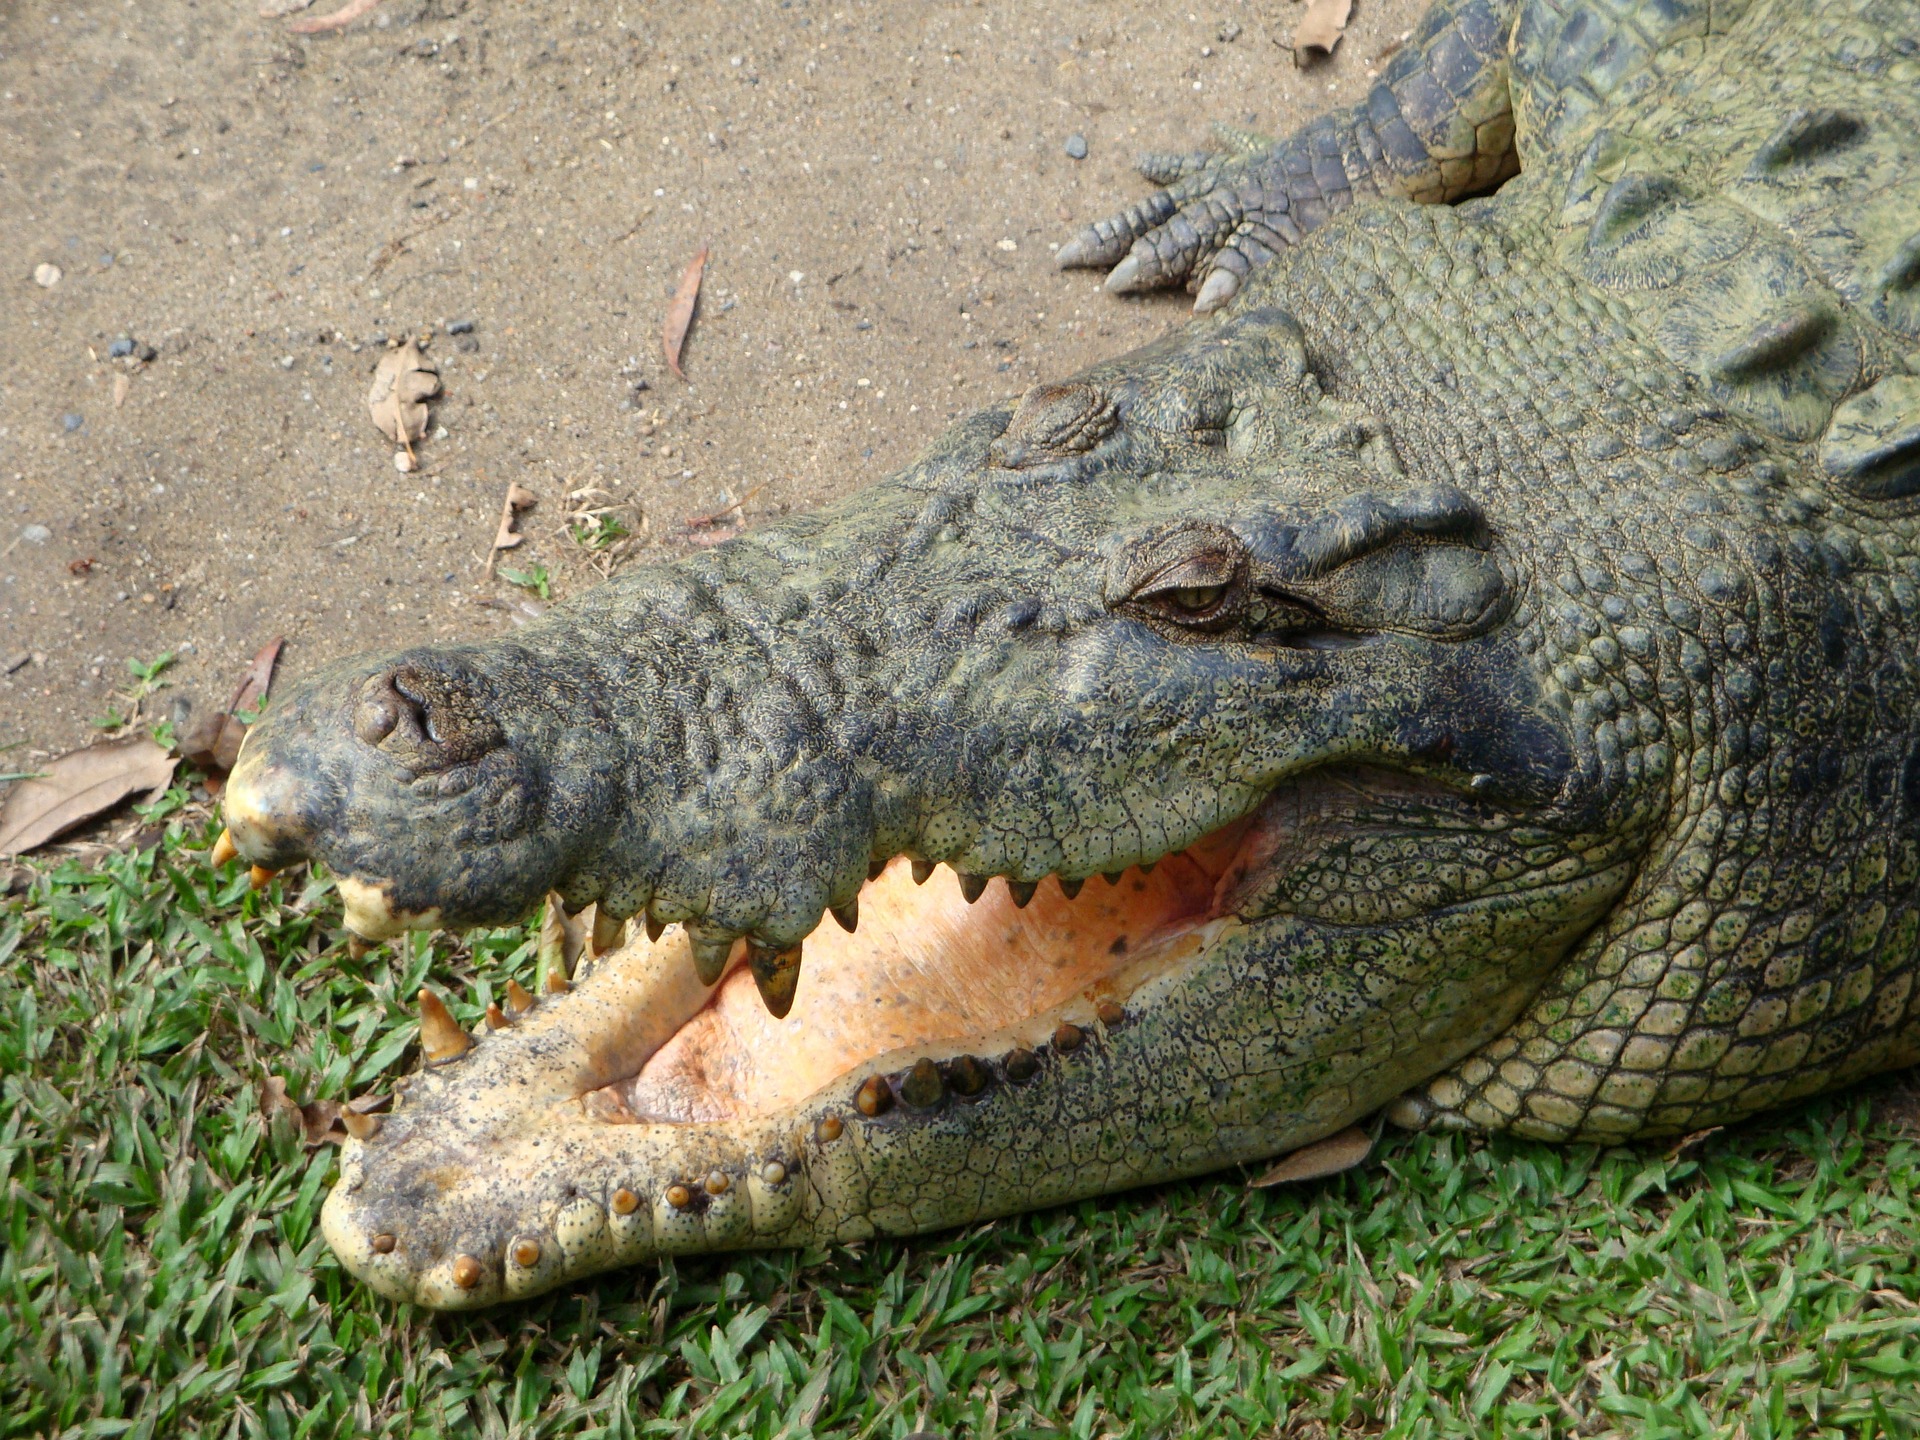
[(1479, 654)]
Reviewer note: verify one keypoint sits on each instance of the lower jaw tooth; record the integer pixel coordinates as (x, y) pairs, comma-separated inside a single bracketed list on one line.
[(519, 999), (776, 975)]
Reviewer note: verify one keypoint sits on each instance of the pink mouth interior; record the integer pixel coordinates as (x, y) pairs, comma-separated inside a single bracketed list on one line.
[(924, 968)]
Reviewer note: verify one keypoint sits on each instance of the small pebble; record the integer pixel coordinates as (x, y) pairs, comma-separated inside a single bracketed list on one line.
[(35, 534), (72, 421), (460, 327), (403, 462), (286, 362), (121, 347), (863, 324), (1076, 147), (47, 276), (145, 352)]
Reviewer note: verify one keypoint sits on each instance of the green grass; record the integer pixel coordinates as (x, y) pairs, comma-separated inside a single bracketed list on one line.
[(162, 1273)]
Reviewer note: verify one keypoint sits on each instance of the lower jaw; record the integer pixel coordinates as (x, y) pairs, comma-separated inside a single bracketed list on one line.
[(640, 1115)]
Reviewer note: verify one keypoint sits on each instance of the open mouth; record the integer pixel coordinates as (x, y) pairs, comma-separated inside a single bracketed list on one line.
[(639, 1112), (928, 968)]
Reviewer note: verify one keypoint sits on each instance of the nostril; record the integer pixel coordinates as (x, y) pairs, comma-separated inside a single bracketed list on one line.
[(382, 707)]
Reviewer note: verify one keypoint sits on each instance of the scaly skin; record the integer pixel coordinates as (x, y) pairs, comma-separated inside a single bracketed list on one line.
[(1537, 580)]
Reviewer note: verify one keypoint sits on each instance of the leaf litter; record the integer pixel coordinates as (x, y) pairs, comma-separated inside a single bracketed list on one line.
[(680, 311), (505, 537), (403, 382), (77, 786), (1320, 28), (212, 744), (1320, 1159)]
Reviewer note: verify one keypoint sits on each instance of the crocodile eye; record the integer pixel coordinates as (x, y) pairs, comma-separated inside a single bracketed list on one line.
[(1195, 599)]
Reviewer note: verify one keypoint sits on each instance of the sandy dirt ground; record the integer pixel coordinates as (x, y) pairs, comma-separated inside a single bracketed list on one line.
[(256, 214)]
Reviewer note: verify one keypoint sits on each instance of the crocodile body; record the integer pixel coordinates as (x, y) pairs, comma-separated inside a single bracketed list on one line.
[(1499, 620)]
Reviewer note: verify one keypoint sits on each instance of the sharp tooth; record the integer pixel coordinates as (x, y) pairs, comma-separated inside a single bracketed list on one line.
[(441, 1038), (608, 931), (1070, 888), (973, 887), (358, 947), (922, 871), (259, 875), (223, 849), (360, 1127), (848, 914), (1021, 891), (655, 928), (519, 1000), (497, 1018), (876, 869), (710, 957), (776, 975), (1112, 877)]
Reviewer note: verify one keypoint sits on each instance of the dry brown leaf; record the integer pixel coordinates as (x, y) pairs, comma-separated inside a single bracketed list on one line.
[(403, 382), (319, 1119), (505, 537), (345, 15), (1321, 27), (562, 936), (1322, 1158), (78, 786), (213, 742), (680, 311)]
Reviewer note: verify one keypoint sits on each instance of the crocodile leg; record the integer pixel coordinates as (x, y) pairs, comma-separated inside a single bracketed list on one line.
[(1438, 126)]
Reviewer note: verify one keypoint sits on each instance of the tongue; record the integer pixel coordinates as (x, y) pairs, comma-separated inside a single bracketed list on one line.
[(924, 967)]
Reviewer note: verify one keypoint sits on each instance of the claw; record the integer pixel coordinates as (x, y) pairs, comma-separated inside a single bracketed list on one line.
[(259, 875), (1222, 285), (973, 887), (1021, 891), (441, 1036), (710, 957), (1071, 888), (608, 931), (848, 914), (1079, 251), (776, 975), (223, 849), (655, 928), (922, 871), (1125, 276)]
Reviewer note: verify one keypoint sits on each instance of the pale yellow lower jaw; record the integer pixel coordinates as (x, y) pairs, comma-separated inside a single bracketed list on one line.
[(371, 915)]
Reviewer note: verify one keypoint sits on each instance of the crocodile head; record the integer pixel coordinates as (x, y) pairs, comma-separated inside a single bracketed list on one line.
[(1187, 622)]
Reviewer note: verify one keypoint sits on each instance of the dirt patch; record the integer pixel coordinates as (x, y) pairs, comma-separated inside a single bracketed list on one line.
[(262, 213)]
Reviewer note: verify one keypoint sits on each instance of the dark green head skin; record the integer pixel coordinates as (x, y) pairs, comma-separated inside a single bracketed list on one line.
[(1541, 574)]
